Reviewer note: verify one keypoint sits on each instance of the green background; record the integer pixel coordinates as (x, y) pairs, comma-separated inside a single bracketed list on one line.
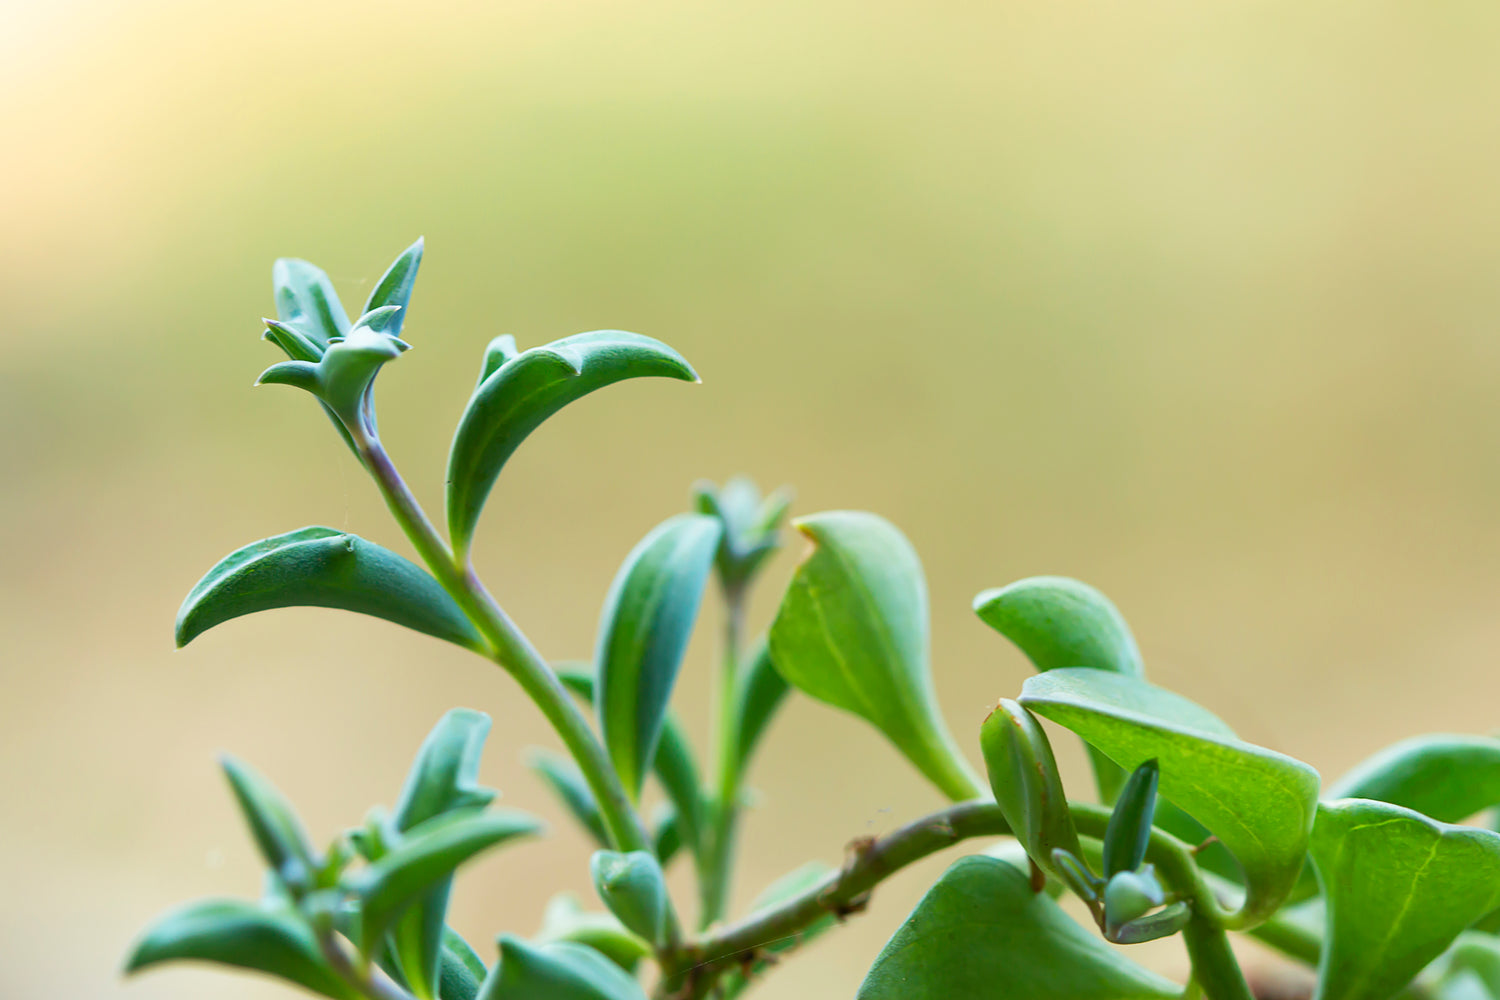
[(1197, 302)]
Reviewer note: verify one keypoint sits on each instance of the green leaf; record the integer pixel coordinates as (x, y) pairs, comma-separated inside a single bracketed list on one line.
[(442, 781), (1446, 777), (394, 288), (274, 824), (666, 836), (632, 887), (980, 933), (565, 920), (852, 632), (463, 973), (424, 858), (343, 376), (1129, 829), (1474, 955), (568, 784), (496, 353), (1400, 887), (560, 971), (1023, 775), (1259, 803), (305, 299), (643, 632), (752, 526), (759, 693), (321, 567), (230, 932), (527, 389)]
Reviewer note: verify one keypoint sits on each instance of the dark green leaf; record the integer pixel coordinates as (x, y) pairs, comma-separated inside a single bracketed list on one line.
[(462, 972), (1129, 827), (632, 887), (760, 692), (565, 920), (1400, 887), (321, 567), (981, 933), (560, 971), (1023, 775), (425, 857), (306, 300), (666, 836), (643, 632), (230, 932), (852, 632), (1448, 778), (274, 825), (526, 390), (394, 288), (1259, 803), (571, 788)]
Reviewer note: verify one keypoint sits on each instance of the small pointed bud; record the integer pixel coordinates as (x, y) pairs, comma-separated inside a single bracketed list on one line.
[(633, 888), (1129, 829), (1023, 775)]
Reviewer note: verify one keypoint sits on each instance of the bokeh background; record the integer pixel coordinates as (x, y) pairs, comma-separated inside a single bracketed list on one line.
[(1197, 302)]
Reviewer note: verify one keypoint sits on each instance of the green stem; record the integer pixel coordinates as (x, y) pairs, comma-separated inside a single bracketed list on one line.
[(716, 871), (364, 978)]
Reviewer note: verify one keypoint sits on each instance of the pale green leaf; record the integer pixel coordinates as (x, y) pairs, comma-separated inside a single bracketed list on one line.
[(1446, 777)]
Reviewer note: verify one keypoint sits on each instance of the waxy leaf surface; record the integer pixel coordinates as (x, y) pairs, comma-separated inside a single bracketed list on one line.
[(852, 631), (1259, 803), (1446, 777), (394, 289), (633, 889), (1399, 888), (305, 299), (560, 971), (527, 389), (565, 920), (273, 823), (980, 933), (321, 567)]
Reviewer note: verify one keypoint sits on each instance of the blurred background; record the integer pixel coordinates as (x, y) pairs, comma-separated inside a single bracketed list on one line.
[(1196, 302)]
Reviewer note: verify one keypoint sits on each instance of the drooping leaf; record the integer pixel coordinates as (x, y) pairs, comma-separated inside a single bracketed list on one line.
[(981, 933), (760, 692), (1400, 887), (1259, 803), (632, 887), (443, 780), (230, 932), (274, 824), (559, 971), (852, 631), (321, 567), (527, 389), (565, 920), (1024, 778), (394, 289), (425, 857), (571, 788), (644, 630), (305, 299), (1446, 777), (1129, 827)]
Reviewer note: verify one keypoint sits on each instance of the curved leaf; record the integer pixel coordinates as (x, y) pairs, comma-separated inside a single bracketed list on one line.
[(394, 288), (1129, 827), (527, 389), (632, 887), (852, 632), (426, 857), (1023, 775), (463, 973), (981, 933), (321, 567), (760, 692), (752, 526), (565, 920), (1259, 803), (273, 823), (644, 630), (231, 932), (1446, 777), (1400, 887), (560, 971), (305, 299), (342, 377), (567, 782)]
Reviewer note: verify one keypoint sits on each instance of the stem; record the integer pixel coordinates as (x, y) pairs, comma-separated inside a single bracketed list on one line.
[(364, 978), (716, 868), (1215, 969)]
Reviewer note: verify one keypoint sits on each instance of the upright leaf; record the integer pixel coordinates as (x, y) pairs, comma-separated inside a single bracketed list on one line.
[(632, 887), (306, 300), (1023, 775), (1448, 778), (560, 971), (321, 567), (981, 933), (1129, 828), (852, 631), (527, 389), (643, 632), (230, 932), (1259, 803), (760, 692), (394, 288), (274, 824), (1400, 887)]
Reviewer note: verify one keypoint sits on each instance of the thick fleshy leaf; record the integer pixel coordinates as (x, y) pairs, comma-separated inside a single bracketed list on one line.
[(463, 972), (322, 567), (342, 377), (981, 933), (1400, 887), (230, 932), (496, 353), (1129, 827), (273, 823), (394, 288), (442, 780), (852, 631), (666, 834), (760, 692), (567, 782), (526, 390), (565, 920), (1446, 777), (644, 630), (427, 856), (559, 971), (1024, 778), (1259, 803), (632, 887), (306, 300)]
